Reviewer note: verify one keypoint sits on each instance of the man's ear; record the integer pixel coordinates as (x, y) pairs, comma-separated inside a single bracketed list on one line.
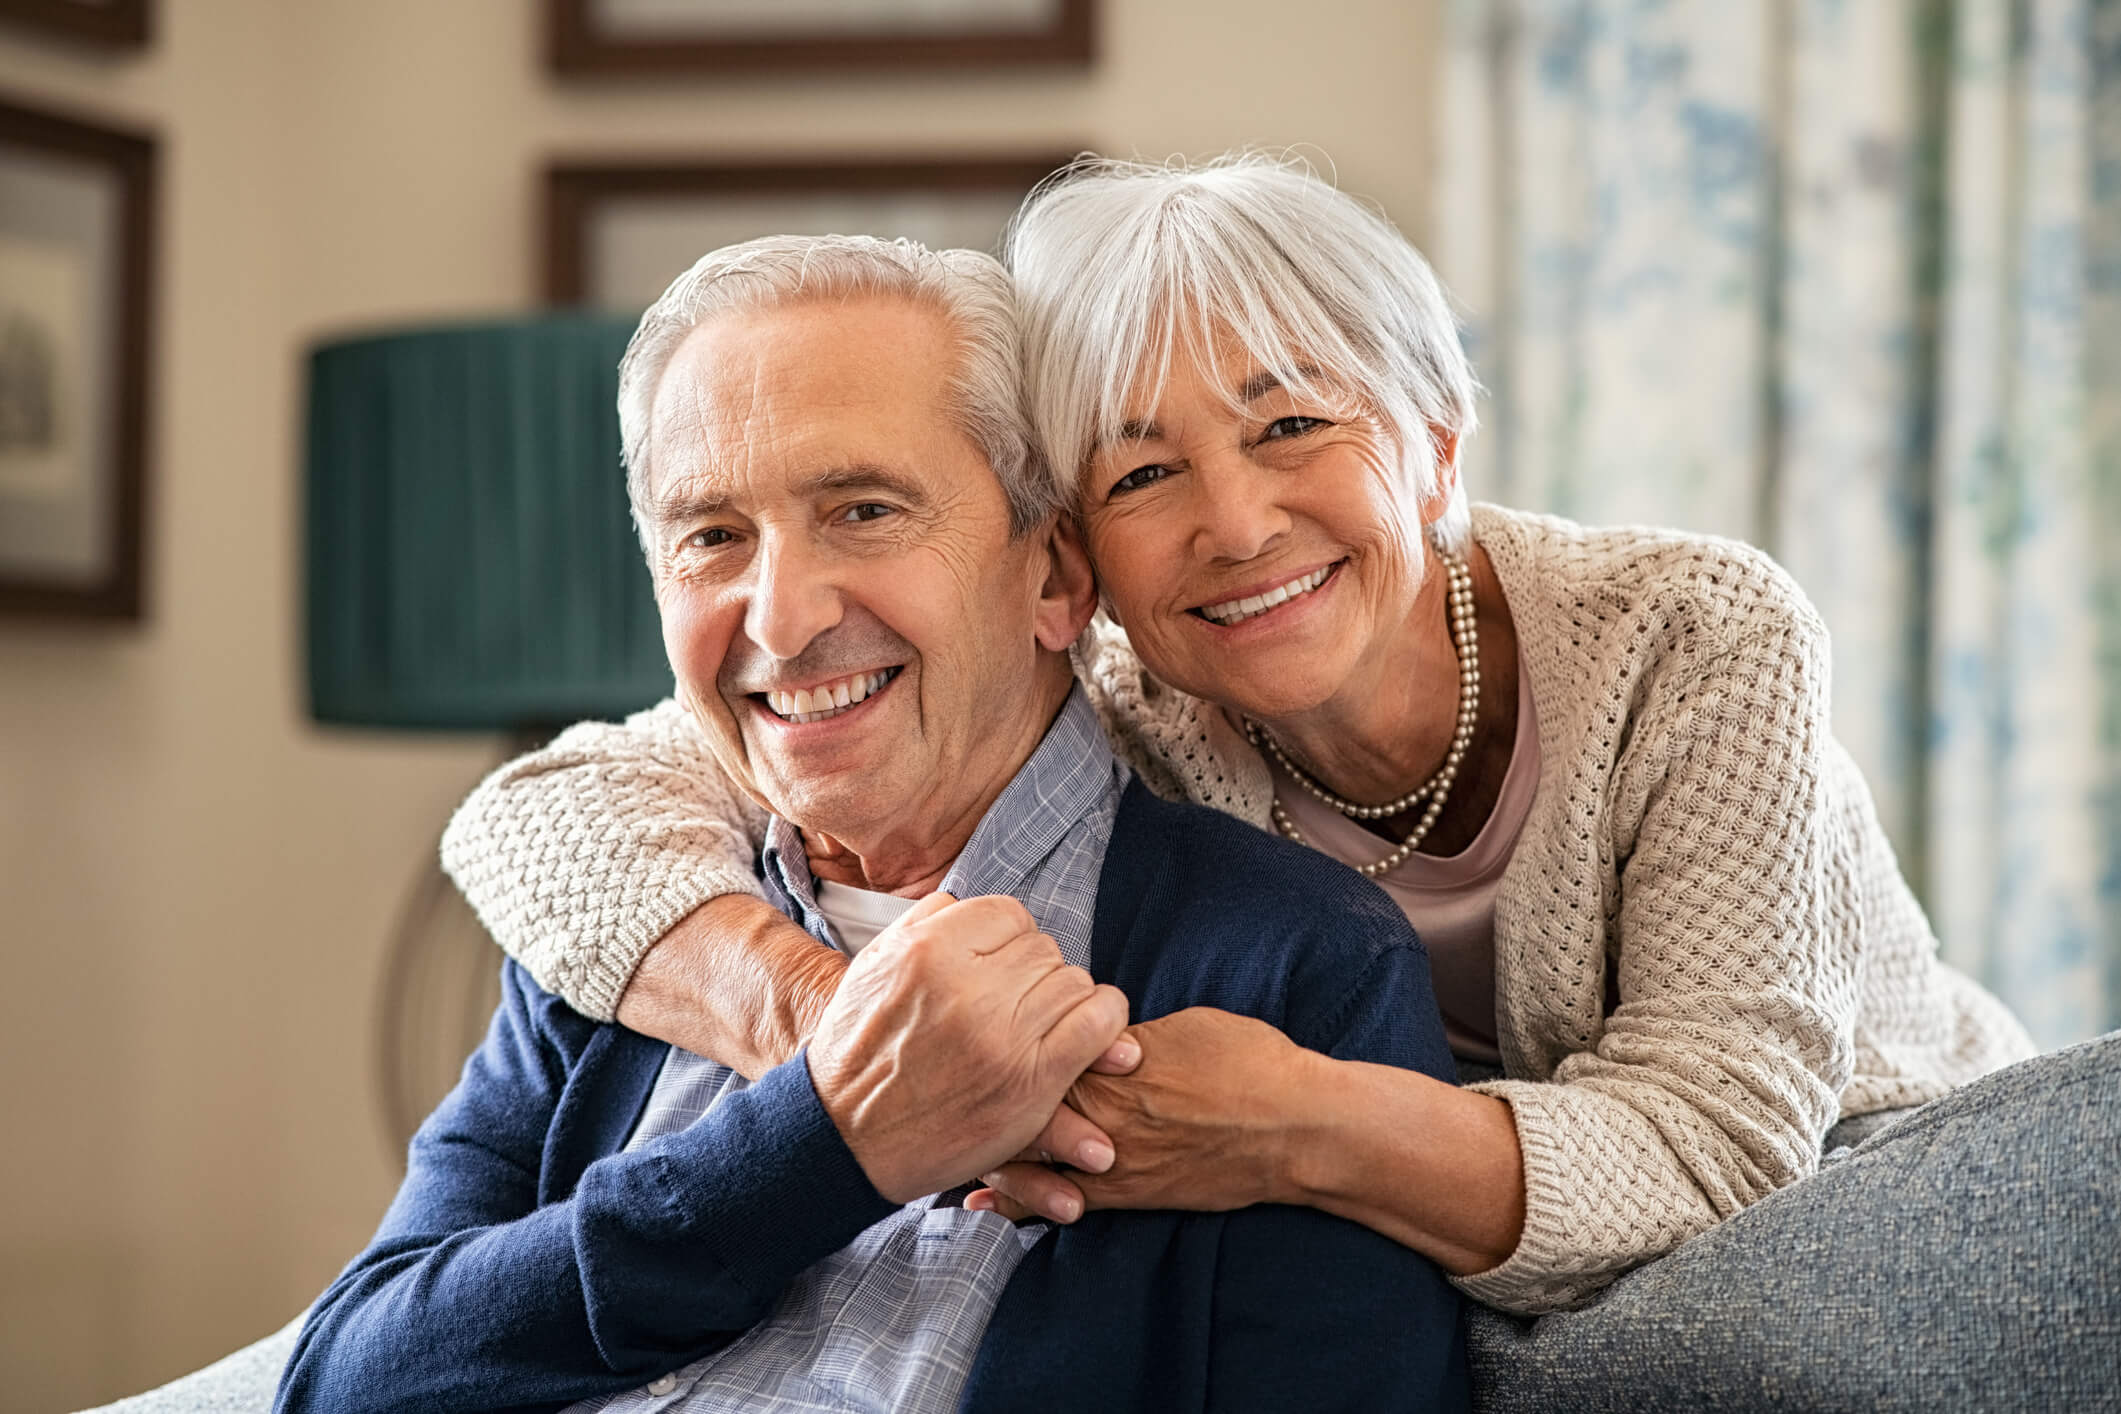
[(1068, 596)]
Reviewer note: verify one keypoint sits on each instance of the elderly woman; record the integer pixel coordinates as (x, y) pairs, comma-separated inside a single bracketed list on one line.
[(1671, 944)]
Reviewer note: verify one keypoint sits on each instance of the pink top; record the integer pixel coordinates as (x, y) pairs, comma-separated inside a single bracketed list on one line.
[(1450, 900)]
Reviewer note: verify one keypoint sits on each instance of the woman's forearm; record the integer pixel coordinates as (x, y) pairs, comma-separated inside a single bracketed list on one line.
[(1426, 1164), (734, 980)]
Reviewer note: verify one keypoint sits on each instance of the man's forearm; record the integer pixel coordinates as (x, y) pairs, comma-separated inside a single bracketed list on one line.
[(735, 981)]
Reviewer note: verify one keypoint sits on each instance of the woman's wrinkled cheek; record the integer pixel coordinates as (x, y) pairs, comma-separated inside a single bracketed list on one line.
[(1386, 535), (1118, 559)]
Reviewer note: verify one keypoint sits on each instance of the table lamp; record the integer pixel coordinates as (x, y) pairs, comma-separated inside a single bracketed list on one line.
[(471, 566)]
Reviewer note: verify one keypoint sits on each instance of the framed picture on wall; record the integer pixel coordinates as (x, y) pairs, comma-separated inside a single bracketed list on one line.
[(114, 24), (720, 36), (77, 204), (617, 233)]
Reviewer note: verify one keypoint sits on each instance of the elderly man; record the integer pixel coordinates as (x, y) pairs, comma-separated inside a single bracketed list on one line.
[(867, 598)]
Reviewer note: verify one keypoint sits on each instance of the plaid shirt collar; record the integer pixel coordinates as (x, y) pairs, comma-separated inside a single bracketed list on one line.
[(1042, 841)]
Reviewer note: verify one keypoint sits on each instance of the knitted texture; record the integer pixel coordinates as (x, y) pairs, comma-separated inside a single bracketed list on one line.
[(579, 856), (1698, 843)]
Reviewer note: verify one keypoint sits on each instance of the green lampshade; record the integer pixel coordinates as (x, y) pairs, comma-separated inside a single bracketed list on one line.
[(471, 561)]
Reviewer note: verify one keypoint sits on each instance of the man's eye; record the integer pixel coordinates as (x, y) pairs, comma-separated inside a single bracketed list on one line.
[(1139, 477), (1282, 428), (867, 510), (708, 539)]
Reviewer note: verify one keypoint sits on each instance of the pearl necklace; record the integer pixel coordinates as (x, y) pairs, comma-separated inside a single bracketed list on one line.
[(1465, 637)]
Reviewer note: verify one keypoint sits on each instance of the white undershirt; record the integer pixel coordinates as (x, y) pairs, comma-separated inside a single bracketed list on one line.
[(858, 915)]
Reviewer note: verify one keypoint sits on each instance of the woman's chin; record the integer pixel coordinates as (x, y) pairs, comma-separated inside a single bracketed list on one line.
[(1264, 697), (1273, 704), (1262, 681)]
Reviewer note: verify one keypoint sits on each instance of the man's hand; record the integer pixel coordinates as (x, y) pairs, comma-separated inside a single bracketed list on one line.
[(952, 1040)]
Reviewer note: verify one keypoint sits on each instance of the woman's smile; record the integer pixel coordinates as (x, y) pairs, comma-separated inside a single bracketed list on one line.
[(1246, 606)]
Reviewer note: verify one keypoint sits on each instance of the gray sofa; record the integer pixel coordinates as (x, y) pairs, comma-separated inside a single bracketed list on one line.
[(2026, 1315)]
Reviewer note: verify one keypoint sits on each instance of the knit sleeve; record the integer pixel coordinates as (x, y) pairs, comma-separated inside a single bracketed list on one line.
[(579, 856), (1737, 951)]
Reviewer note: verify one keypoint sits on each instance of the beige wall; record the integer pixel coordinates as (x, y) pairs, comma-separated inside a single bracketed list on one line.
[(195, 882)]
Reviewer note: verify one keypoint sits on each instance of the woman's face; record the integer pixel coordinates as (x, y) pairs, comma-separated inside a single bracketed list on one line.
[(1254, 554)]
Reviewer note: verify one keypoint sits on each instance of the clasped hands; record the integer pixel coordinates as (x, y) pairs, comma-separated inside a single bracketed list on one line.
[(960, 1045)]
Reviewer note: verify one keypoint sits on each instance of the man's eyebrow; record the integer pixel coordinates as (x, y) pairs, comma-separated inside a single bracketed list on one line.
[(863, 476), (680, 504)]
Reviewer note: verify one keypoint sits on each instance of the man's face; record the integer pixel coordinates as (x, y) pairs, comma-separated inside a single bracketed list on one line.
[(845, 610)]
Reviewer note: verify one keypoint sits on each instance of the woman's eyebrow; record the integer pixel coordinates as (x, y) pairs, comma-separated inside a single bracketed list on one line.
[(1134, 429), (1145, 429), (1263, 382)]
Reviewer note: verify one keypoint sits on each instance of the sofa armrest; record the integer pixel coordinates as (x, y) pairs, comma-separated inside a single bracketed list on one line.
[(242, 1383)]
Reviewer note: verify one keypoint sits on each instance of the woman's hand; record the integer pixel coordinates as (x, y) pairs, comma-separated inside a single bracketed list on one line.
[(1204, 1122)]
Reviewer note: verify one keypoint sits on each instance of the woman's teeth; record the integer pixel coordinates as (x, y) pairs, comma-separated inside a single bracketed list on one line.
[(815, 704), (1238, 610)]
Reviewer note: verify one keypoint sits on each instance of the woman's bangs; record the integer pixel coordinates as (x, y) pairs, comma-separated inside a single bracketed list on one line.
[(1211, 311)]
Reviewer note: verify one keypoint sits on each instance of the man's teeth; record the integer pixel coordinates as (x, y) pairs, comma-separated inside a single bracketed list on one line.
[(1252, 605), (815, 704)]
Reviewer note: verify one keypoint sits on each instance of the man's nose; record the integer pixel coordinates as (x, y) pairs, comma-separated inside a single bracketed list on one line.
[(1238, 508), (794, 598)]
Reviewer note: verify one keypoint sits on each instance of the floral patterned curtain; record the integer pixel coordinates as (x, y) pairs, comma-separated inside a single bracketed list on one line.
[(1842, 278)]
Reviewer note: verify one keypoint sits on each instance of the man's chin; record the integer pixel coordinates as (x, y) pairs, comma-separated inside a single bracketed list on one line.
[(847, 803)]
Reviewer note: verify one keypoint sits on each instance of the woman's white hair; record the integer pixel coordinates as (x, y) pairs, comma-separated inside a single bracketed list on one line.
[(1122, 265), (969, 288)]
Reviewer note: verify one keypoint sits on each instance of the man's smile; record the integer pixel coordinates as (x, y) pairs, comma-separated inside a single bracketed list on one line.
[(829, 699)]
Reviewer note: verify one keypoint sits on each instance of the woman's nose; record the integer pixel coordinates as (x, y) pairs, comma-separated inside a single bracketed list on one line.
[(1238, 509)]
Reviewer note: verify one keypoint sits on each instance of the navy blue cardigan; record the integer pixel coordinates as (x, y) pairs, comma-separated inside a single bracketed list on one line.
[(527, 1262)]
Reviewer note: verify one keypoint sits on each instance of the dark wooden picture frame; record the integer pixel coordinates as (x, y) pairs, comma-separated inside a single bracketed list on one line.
[(114, 24), (576, 191), (575, 45), (110, 513)]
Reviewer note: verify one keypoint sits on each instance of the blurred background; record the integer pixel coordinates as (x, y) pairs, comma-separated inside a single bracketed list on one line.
[(1840, 279)]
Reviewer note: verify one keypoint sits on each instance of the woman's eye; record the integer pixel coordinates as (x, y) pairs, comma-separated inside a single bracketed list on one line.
[(1139, 477), (1285, 427), (867, 510)]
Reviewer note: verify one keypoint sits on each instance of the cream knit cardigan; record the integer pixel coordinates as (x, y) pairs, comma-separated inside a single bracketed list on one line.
[(1698, 842)]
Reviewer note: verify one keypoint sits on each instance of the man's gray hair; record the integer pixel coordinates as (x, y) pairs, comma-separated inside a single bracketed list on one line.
[(970, 289), (1121, 265)]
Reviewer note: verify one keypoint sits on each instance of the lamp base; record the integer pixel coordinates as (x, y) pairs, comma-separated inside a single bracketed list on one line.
[(441, 982)]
